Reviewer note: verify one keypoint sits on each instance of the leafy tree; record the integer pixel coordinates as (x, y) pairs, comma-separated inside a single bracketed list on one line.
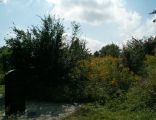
[(40, 48), (45, 50), (5, 54), (21, 47), (106, 78), (77, 50), (5, 65), (96, 54), (134, 55), (150, 46), (112, 50)]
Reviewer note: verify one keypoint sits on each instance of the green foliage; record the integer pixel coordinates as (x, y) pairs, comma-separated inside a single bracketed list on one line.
[(105, 78), (151, 81), (134, 55), (140, 96), (112, 50), (2, 79), (96, 54), (42, 49), (136, 98), (77, 49), (150, 45), (21, 48), (5, 54), (93, 112), (46, 51), (38, 46), (2, 89), (66, 70)]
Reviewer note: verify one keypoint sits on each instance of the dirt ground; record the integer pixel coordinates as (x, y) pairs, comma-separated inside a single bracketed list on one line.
[(42, 111)]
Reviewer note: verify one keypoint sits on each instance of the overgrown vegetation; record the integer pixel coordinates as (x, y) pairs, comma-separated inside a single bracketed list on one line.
[(65, 70), (93, 112)]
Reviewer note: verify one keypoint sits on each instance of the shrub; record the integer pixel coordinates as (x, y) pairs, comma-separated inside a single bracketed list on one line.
[(143, 94), (134, 55), (106, 78), (1, 79), (151, 80)]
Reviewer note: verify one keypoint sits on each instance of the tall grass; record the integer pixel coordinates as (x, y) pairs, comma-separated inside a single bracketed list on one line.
[(2, 89), (101, 113)]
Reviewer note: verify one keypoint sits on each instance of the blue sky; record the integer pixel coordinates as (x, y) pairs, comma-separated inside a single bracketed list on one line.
[(102, 21)]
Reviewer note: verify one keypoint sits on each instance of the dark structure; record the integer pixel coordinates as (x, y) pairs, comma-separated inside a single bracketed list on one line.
[(15, 83), (21, 85), (27, 84)]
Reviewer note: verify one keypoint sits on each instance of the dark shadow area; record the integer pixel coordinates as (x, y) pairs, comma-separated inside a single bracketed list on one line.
[(43, 110), (2, 107), (23, 85), (14, 92)]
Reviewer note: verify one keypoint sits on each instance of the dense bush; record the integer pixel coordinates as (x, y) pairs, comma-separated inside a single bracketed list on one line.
[(108, 50), (48, 55), (151, 81), (142, 95), (105, 78), (5, 55), (64, 70), (150, 45), (133, 55)]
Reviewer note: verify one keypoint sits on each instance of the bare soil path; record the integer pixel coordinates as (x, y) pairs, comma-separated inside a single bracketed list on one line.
[(43, 111)]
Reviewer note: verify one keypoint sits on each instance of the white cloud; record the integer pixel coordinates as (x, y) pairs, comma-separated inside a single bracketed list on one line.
[(145, 29), (94, 45), (100, 12), (96, 12), (3, 1)]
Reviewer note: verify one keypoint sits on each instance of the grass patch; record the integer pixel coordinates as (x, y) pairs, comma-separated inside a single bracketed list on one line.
[(92, 112), (2, 92), (2, 89)]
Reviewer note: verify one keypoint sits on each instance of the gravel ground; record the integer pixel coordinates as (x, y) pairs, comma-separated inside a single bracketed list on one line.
[(43, 111)]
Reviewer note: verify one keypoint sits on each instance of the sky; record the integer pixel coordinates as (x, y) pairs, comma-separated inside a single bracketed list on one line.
[(102, 21)]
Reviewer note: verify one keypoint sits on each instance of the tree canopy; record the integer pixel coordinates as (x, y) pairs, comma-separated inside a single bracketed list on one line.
[(109, 50)]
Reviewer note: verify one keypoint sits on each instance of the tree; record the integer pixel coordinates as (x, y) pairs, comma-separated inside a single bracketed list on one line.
[(96, 53), (21, 47), (134, 55), (77, 50), (150, 46), (5, 54), (46, 51), (5, 65), (112, 50), (40, 48)]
